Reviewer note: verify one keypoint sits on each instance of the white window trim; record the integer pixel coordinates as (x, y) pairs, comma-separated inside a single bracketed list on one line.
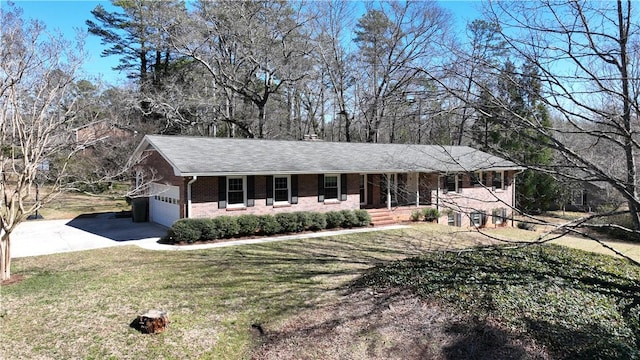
[(288, 201), (457, 179), (471, 217), (457, 219), (337, 198), (499, 216), (244, 193)]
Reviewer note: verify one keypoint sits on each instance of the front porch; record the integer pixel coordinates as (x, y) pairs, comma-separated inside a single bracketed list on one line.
[(395, 215)]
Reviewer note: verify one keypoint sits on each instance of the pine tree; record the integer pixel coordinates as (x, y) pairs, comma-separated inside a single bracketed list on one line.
[(498, 129)]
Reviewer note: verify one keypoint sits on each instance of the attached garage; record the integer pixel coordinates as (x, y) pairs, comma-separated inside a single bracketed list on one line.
[(164, 207)]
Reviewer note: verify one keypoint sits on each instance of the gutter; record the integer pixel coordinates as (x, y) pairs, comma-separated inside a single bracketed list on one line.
[(193, 179)]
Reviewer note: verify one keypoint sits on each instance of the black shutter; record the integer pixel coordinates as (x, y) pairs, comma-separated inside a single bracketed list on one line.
[(269, 190), (251, 191), (370, 188), (320, 188), (222, 192), (294, 189), (343, 187)]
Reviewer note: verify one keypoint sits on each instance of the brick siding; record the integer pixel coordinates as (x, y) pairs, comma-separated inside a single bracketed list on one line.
[(205, 198)]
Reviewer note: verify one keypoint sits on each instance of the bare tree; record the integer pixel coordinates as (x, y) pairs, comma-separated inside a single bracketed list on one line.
[(250, 49), (37, 71), (394, 41), (585, 55), (332, 27)]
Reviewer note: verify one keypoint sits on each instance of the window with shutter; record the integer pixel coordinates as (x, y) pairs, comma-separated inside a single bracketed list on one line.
[(281, 189), (331, 187), (236, 191)]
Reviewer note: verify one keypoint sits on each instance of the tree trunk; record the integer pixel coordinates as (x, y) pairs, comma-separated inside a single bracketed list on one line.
[(261, 120), (152, 322), (5, 255)]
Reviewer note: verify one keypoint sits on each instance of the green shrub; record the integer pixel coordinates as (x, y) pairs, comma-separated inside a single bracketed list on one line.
[(364, 219), (334, 219), (416, 215), (430, 214), (248, 224), (304, 219), (526, 226), (317, 221), (349, 219), (185, 230), (269, 225), (208, 228), (227, 226), (289, 222)]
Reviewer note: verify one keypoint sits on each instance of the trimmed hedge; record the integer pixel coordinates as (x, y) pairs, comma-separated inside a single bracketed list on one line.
[(269, 225), (248, 224), (289, 222), (225, 227), (363, 216), (317, 221), (334, 219), (425, 214)]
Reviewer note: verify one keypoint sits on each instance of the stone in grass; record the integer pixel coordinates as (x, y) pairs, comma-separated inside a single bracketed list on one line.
[(151, 322)]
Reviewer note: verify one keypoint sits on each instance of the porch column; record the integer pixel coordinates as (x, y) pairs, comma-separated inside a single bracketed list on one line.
[(417, 189), (388, 192)]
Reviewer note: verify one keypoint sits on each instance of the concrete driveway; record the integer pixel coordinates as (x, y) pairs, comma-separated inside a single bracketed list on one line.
[(42, 237)]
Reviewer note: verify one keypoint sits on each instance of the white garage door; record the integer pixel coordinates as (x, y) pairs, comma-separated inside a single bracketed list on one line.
[(164, 206)]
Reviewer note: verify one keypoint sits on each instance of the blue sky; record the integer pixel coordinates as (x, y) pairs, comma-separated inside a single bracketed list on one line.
[(69, 15)]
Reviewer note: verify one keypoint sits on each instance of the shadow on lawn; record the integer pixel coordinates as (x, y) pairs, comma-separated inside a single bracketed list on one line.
[(576, 304)]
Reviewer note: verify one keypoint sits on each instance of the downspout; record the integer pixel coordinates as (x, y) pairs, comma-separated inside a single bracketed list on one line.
[(388, 192), (417, 189), (193, 179)]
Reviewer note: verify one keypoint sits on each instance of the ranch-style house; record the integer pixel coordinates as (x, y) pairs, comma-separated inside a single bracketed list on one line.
[(199, 177)]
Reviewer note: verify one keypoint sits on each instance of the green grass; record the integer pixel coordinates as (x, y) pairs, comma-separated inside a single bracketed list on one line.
[(69, 204), (80, 305), (579, 305)]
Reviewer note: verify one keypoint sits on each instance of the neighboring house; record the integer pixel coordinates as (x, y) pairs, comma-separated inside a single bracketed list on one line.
[(589, 196), (209, 177), (88, 135)]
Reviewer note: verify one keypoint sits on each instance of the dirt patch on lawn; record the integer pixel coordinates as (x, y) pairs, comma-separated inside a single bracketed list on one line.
[(393, 325), (14, 279)]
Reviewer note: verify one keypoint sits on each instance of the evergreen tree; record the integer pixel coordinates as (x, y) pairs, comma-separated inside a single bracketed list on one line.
[(136, 35), (498, 130)]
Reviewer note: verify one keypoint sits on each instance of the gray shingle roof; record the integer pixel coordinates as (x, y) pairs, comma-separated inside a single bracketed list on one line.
[(223, 156)]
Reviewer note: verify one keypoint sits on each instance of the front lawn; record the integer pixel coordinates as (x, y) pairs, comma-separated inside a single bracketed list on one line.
[(302, 295)]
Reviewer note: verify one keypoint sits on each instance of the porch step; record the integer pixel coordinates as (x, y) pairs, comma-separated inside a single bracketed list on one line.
[(381, 217)]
